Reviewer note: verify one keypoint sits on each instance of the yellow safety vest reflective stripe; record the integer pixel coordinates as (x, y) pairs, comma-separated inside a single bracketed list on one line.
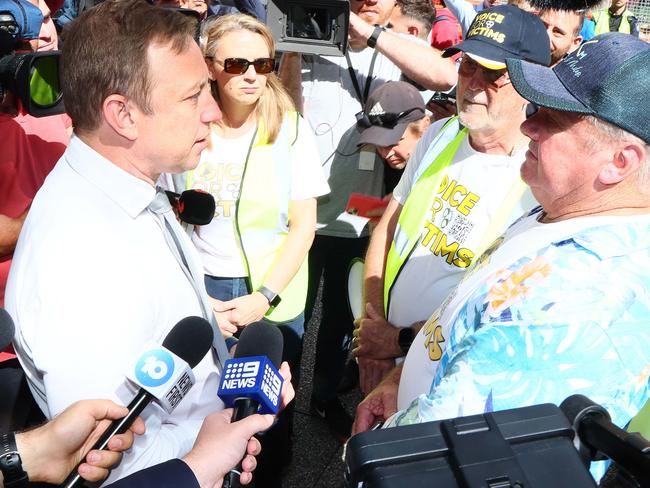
[(413, 215), (262, 215), (602, 22)]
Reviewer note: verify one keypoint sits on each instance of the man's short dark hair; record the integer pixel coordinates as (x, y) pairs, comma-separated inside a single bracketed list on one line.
[(105, 53), (580, 18), (421, 10)]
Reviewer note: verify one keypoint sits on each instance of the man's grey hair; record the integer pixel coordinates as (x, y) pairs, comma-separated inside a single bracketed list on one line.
[(616, 134)]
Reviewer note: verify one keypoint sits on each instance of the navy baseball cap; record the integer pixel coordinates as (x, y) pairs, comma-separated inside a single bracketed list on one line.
[(606, 77), (502, 32), (28, 18)]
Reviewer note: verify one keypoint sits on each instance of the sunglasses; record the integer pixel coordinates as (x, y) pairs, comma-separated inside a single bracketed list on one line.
[(386, 120), (494, 77), (239, 66)]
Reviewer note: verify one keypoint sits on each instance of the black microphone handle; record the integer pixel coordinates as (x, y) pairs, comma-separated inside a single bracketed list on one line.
[(244, 407), (120, 426)]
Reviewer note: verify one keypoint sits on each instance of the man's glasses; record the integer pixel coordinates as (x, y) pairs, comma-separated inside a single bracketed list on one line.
[(239, 66), (386, 120), (494, 77)]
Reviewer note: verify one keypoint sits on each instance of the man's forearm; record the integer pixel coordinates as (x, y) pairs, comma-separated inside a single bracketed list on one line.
[(375, 264), (419, 62), (291, 77), (373, 287)]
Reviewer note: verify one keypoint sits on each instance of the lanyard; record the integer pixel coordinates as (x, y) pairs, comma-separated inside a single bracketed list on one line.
[(355, 81)]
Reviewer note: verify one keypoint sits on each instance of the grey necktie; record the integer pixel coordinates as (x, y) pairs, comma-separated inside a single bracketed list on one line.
[(173, 232)]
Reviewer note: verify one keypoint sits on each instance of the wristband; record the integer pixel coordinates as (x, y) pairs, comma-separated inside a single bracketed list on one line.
[(405, 339), (10, 463), (272, 297), (372, 40)]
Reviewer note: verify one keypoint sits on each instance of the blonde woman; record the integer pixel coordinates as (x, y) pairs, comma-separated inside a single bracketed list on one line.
[(262, 168)]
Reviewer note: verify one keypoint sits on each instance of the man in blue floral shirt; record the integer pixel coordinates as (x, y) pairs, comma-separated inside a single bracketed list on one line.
[(560, 304)]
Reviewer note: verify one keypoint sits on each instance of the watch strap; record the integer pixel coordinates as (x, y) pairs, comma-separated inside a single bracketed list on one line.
[(405, 339), (10, 462), (272, 297), (372, 40)]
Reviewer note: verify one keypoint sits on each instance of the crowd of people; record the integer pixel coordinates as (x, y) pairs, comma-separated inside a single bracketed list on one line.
[(506, 256)]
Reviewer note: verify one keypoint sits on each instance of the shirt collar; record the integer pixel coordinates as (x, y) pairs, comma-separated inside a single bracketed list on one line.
[(132, 194)]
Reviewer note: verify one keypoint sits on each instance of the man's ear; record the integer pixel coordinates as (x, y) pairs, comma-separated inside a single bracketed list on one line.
[(626, 160), (118, 113), (577, 40), (413, 30)]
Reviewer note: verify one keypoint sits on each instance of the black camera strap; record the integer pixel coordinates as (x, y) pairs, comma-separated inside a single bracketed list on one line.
[(355, 81)]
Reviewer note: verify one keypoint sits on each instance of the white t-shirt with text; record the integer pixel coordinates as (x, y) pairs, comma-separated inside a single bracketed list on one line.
[(219, 173), (472, 191)]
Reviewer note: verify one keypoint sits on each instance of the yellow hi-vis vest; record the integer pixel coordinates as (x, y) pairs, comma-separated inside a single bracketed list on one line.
[(418, 204), (262, 215), (602, 17), (416, 207)]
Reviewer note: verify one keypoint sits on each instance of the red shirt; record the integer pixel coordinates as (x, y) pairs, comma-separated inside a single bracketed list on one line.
[(30, 148), (445, 32)]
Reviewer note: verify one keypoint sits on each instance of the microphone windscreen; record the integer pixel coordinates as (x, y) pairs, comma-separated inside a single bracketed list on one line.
[(6, 329), (261, 339), (190, 339), (196, 207)]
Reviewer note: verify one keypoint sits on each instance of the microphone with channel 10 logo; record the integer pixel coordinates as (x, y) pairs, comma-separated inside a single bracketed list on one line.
[(164, 373)]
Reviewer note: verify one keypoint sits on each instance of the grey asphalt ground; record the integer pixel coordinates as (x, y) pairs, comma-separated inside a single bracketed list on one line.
[(316, 453)]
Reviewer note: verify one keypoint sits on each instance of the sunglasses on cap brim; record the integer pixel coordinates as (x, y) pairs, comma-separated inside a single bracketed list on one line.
[(386, 120)]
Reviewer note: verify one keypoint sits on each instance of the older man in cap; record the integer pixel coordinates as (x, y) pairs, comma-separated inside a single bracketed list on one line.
[(559, 304), (461, 189)]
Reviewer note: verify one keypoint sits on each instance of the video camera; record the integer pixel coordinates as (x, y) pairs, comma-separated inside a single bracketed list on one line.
[(525, 447), (310, 26), (33, 77)]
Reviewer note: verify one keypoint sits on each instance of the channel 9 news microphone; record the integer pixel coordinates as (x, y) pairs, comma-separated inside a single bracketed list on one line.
[(6, 329), (250, 382), (194, 207), (163, 373)]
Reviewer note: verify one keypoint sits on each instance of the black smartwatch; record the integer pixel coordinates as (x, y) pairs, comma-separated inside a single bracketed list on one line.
[(273, 298), (405, 339), (10, 463), (372, 40)]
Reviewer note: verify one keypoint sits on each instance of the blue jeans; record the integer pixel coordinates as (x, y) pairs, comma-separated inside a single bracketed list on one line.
[(225, 289)]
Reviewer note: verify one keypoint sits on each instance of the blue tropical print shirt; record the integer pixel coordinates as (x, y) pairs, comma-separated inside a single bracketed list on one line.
[(572, 316)]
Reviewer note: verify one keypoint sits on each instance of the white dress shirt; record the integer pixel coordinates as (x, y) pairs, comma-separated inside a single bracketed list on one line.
[(92, 282)]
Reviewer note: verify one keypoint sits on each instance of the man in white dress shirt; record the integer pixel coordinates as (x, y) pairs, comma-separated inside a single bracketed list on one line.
[(93, 279)]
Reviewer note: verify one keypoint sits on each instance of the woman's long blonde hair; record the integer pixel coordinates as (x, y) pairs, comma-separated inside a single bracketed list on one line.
[(274, 101)]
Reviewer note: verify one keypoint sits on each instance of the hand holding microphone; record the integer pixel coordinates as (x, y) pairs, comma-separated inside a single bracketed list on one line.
[(251, 382), (164, 374)]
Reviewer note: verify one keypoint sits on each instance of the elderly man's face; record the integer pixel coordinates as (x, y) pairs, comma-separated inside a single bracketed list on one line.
[(171, 138), (373, 11), (485, 98), (562, 161)]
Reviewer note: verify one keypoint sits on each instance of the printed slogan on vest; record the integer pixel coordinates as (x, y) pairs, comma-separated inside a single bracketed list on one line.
[(222, 181), (449, 226)]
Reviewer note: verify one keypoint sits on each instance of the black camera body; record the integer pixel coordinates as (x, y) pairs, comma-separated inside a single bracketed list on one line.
[(31, 77), (310, 26)]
